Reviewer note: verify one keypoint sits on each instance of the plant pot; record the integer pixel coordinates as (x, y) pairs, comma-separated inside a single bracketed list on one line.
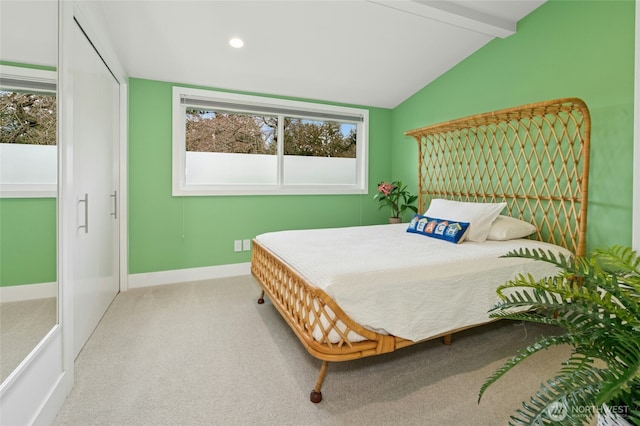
[(608, 418), (395, 220)]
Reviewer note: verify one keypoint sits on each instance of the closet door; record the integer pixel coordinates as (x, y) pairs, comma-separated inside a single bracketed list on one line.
[(95, 134)]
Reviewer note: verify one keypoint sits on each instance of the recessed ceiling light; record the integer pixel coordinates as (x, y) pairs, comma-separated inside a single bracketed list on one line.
[(236, 42)]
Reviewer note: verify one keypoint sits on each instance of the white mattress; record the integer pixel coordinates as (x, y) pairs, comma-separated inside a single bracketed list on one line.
[(407, 285)]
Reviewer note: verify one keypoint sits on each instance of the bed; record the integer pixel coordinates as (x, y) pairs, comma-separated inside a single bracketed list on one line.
[(534, 159)]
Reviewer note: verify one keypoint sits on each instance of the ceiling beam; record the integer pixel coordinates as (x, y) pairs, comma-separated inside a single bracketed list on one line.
[(454, 14)]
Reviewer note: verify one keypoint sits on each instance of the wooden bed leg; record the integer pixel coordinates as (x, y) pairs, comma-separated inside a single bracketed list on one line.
[(447, 339), (316, 395), (261, 298)]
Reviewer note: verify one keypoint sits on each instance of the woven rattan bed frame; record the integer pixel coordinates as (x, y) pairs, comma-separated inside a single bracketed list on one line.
[(535, 157)]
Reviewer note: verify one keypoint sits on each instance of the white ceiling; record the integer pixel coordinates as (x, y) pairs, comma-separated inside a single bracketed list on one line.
[(364, 52), (29, 32)]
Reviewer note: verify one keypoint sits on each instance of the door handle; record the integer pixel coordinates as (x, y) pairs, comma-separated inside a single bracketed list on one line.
[(115, 204), (86, 213)]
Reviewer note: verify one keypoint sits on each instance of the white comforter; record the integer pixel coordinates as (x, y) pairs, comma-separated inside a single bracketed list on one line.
[(407, 285)]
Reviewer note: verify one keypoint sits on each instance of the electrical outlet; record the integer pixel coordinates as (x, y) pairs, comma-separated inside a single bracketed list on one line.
[(246, 245), (237, 245)]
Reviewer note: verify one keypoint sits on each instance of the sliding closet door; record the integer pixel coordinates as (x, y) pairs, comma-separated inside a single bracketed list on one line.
[(95, 134)]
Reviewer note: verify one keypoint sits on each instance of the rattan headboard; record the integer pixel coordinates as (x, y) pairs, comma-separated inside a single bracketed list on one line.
[(535, 157)]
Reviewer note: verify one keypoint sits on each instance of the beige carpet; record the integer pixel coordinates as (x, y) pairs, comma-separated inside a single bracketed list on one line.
[(205, 353), (22, 326)]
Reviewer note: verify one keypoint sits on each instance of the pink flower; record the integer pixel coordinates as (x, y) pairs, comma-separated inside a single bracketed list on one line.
[(395, 196), (386, 188)]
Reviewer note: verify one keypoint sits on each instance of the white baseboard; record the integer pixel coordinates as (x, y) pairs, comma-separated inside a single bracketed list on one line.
[(149, 279), (34, 392), (47, 413), (18, 293)]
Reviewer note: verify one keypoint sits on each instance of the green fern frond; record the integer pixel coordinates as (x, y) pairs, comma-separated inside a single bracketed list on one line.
[(629, 401), (579, 319), (618, 258), (575, 389), (551, 292), (543, 343), (560, 260), (596, 301), (622, 377), (529, 316), (577, 361)]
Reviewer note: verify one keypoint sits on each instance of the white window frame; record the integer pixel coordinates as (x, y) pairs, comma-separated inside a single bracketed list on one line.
[(39, 81), (259, 105)]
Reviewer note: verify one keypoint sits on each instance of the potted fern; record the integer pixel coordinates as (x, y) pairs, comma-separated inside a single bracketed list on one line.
[(595, 300)]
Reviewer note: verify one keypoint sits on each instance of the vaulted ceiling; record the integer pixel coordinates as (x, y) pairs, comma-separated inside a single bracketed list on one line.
[(364, 52)]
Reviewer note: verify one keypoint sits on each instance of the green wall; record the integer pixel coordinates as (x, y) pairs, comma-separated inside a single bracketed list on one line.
[(563, 49), (28, 241), (581, 49), (27, 233), (167, 232)]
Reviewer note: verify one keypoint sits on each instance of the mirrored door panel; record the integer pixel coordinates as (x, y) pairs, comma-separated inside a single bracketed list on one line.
[(28, 177)]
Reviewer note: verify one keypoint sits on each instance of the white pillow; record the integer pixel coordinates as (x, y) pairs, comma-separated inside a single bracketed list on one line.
[(479, 215), (509, 228)]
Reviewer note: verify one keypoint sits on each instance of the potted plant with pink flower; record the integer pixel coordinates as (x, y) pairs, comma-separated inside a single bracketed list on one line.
[(396, 196)]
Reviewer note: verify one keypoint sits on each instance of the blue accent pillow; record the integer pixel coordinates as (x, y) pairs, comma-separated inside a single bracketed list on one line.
[(442, 229)]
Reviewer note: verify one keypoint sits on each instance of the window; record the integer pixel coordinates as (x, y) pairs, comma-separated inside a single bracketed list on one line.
[(28, 127), (231, 144)]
